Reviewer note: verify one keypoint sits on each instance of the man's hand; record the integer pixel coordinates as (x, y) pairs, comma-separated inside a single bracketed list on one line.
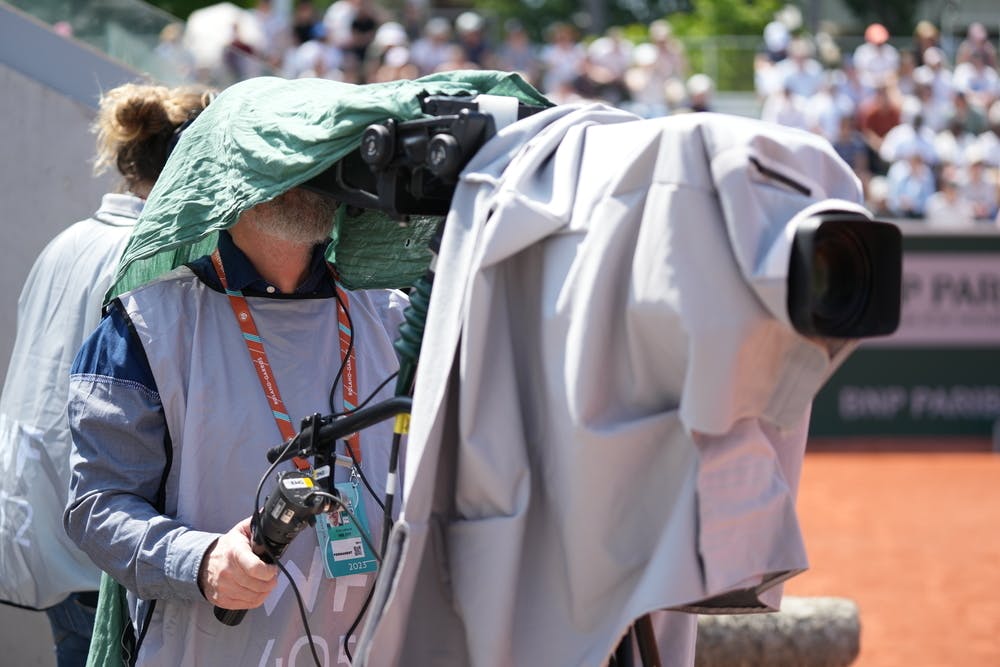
[(232, 576)]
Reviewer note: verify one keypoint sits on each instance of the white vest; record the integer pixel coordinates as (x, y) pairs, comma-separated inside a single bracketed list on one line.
[(221, 426)]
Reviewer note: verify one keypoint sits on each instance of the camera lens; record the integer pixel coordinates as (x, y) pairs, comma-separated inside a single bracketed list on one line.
[(841, 279), (844, 275)]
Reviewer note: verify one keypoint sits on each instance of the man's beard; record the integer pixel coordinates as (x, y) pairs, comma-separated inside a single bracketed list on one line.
[(296, 216)]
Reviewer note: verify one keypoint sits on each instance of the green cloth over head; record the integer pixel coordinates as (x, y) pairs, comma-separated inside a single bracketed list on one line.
[(265, 135)]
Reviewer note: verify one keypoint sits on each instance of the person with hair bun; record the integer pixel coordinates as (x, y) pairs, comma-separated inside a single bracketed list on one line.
[(59, 306)]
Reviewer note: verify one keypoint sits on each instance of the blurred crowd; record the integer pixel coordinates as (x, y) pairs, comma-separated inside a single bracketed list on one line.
[(920, 126), (918, 122)]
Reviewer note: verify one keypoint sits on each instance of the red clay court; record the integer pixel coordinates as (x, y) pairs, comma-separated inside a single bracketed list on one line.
[(914, 539)]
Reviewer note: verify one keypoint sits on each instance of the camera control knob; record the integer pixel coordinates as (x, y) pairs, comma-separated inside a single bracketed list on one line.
[(377, 145), (444, 156)]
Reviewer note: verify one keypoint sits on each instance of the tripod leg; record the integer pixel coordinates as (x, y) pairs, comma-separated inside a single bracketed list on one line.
[(646, 638), (623, 656)]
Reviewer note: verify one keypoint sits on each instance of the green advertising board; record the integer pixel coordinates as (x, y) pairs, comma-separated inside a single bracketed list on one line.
[(939, 374)]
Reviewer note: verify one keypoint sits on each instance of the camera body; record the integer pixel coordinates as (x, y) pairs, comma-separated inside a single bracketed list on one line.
[(411, 167), (843, 272)]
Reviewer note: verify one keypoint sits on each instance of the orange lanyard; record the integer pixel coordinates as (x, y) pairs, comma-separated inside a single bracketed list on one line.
[(268, 383)]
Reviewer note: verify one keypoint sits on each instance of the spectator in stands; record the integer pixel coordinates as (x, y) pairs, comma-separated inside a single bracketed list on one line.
[(470, 28), (317, 58), (305, 18), (925, 35), (517, 53), (911, 135), (947, 207), (456, 60), (700, 89), (849, 89), (977, 39), (395, 65), (876, 59), (388, 35), (904, 73), (910, 184), (785, 108), (850, 146), (777, 38), (876, 117), (656, 66), (671, 61), (951, 143), (58, 308), (337, 21), (604, 68), (239, 56), (175, 62), (562, 58), (351, 27), (936, 68), (433, 47), (766, 76), (970, 118), (800, 72), (823, 110), (989, 141), (647, 91), (612, 52), (414, 16), (876, 195), (275, 30), (935, 112), (978, 81), (978, 184)]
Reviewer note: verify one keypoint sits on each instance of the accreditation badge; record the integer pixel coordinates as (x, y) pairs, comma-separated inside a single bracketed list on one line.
[(344, 550)]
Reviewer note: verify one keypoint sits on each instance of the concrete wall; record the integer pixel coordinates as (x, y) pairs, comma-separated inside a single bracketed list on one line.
[(50, 90)]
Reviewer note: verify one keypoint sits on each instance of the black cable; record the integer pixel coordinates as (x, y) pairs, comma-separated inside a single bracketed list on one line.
[(357, 621), (390, 494), (302, 611), (260, 485), (370, 396), (364, 478)]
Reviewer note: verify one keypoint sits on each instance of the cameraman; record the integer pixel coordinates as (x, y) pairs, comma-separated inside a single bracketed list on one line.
[(171, 422)]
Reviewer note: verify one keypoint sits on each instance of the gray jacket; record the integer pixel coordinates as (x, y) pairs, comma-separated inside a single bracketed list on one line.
[(58, 308)]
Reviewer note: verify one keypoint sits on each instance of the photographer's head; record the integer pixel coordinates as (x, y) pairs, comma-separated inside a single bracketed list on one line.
[(135, 126), (278, 236), (298, 216)]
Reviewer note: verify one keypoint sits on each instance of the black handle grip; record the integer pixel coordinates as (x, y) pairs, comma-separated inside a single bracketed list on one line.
[(230, 616), (233, 617), (340, 427)]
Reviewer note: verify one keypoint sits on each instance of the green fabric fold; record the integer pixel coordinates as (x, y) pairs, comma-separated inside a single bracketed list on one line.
[(109, 639), (263, 136)]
